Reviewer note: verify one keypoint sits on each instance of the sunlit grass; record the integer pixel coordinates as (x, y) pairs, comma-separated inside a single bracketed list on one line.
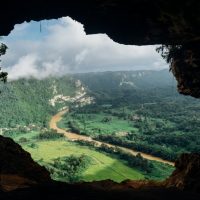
[(102, 166), (94, 122)]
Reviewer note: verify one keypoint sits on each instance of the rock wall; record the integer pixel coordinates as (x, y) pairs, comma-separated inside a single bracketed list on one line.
[(187, 173), (17, 168), (186, 68)]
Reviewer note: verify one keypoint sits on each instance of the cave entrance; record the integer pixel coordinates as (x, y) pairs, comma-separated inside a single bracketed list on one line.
[(88, 108)]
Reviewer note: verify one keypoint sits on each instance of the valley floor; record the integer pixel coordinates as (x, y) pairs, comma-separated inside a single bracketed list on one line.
[(73, 136), (102, 166)]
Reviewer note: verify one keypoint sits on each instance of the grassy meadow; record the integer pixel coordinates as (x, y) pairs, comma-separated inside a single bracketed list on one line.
[(100, 123), (101, 167)]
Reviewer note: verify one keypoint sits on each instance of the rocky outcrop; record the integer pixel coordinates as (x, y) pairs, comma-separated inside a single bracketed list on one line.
[(186, 68), (17, 168), (187, 173), (103, 190)]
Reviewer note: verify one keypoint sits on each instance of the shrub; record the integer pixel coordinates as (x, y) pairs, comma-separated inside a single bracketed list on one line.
[(69, 168), (33, 145), (48, 135), (23, 140)]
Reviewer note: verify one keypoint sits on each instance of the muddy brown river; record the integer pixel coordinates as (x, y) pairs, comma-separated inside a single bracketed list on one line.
[(73, 136)]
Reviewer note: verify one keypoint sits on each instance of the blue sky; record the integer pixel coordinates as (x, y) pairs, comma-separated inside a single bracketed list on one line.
[(62, 47), (30, 31)]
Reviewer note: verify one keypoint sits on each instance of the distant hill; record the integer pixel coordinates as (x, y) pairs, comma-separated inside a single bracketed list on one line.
[(28, 101), (145, 79), (130, 86)]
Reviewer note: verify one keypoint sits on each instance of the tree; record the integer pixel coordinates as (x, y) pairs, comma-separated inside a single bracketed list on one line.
[(3, 75), (169, 52), (71, 167)]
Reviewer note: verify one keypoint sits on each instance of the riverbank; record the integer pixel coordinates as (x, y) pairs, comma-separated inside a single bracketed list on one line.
[(73, 136)]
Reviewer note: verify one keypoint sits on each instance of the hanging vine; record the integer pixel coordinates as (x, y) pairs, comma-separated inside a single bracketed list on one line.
[(169, 52), (3, 75)]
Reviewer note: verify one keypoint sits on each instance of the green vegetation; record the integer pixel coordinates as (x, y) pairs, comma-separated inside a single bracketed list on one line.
[(49, 135), (26, 101), (94, 124), (139, 110), (133, 161), (162, 129), (101, 166), (69, 168), (169, 52), (151, 169), (3, 75), (91, 164)]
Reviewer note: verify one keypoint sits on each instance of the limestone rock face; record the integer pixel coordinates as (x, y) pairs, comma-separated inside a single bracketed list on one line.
[(17, 168), (187, 173)]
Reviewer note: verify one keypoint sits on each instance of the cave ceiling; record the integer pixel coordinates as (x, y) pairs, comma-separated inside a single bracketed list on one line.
[(133, 22)]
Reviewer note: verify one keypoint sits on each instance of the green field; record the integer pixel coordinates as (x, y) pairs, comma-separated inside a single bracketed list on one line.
[(94, 124), (102, 166), (163, 129)]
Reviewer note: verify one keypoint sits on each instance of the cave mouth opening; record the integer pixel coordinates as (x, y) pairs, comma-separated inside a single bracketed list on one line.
[(117, 105)]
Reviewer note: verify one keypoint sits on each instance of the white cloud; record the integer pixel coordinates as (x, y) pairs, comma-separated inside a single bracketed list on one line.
[(20, 69), (65, 48), (21, 27)]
